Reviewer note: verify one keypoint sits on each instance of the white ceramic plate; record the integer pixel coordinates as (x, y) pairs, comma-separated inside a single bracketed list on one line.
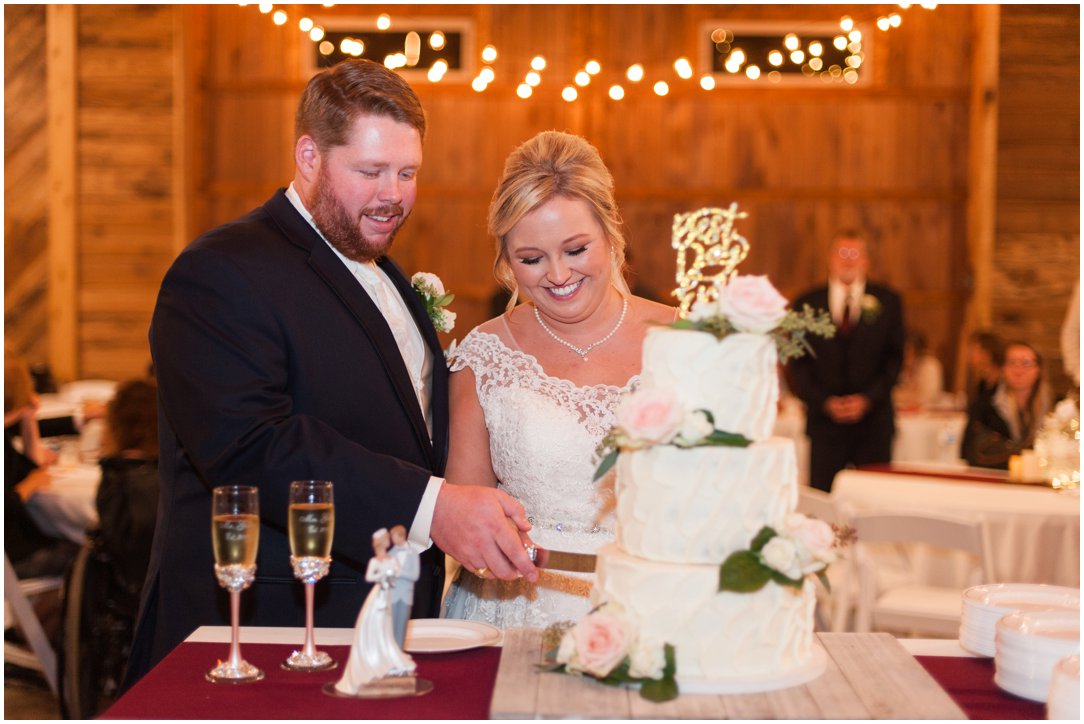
[(442, 635), (1010, 597), (984, 605)]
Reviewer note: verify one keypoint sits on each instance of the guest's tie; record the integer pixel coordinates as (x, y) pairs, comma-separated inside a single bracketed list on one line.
[(845, 324)]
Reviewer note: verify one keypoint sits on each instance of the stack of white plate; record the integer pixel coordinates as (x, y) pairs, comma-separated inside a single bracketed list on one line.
[(983, 606), (1029, 646), (1063, 701)]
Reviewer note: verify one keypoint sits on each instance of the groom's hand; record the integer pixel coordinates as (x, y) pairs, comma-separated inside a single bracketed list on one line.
[(480, 527)]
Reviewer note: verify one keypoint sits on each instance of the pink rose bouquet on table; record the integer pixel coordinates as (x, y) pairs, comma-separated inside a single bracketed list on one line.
[(605, 646), (806, 546)]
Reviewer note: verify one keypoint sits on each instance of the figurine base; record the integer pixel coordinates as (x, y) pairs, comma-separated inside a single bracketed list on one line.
[(389, 688)]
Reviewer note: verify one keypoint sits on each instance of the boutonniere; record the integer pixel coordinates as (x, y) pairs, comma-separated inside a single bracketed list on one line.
[(871, 308), (431, 289)]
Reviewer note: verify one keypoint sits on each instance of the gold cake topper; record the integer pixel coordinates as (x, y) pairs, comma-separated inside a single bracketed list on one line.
[(709, 237)]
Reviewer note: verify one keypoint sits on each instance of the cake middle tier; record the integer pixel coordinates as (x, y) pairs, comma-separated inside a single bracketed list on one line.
[(699, 505)]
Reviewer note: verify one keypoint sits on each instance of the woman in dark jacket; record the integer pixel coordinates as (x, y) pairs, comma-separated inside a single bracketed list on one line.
[(1004, 421)]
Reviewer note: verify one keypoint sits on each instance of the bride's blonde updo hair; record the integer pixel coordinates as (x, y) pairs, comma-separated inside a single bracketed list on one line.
[(554, 164)]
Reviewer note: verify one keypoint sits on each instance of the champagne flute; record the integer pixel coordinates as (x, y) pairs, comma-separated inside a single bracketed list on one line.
[(235, 533), (311, 529)]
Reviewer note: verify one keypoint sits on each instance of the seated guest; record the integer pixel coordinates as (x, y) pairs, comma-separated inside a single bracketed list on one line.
[(985, 355), (128, 494), (31, 551), (1004, 422), (921, 377)]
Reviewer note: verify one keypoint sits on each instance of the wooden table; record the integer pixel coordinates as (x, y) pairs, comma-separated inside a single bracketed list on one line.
[(868, 676)]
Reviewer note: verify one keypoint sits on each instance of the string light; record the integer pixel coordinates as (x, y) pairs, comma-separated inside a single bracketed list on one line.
[(849, 40)]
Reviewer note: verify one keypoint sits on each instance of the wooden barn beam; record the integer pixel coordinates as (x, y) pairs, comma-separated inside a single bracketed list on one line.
[(61, 44)]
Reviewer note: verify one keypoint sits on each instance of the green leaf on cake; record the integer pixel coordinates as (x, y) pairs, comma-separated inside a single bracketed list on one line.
[(659, 690), (761, 539), (784, 580), (822, 576), (607, 462), (742, 572), (729, 439)]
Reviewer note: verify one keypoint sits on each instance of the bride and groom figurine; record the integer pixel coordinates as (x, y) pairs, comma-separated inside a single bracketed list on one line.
[(377, 665)]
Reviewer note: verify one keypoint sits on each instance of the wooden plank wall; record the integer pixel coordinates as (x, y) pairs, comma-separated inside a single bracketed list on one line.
[(26, 198), (890, 156), (1037, 243)]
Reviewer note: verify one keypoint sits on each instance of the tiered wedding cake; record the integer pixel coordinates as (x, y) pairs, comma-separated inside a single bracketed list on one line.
[(710, 557), (681, 512)]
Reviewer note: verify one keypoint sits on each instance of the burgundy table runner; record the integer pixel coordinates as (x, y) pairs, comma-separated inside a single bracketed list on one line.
[(970, 683), (175, 689), (463, 687), (968, 475)]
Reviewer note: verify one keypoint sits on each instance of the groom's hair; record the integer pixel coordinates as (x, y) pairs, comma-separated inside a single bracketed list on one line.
[(554, 164), (336, 96)]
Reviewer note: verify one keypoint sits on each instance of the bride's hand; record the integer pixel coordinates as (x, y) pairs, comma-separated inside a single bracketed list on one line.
[(480, 527)]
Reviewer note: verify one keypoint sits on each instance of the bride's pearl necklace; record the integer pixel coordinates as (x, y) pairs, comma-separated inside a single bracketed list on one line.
[(582, 352)]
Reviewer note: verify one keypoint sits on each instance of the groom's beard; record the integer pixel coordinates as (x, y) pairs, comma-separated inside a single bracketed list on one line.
[(343, 231)]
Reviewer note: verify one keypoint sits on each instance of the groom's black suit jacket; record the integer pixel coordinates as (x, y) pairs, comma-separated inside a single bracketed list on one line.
[(274, 365), (867, 362)]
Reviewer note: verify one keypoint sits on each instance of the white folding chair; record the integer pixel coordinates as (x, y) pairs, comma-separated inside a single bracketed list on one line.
[(914, 606), (38, 654), (833, 607)]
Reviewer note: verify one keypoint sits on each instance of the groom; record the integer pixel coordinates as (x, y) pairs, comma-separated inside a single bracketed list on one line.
[(289, 346)]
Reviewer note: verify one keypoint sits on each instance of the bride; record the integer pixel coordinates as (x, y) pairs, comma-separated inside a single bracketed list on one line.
[(534, 390)]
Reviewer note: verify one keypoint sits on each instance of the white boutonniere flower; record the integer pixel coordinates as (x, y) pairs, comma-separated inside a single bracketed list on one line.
[(871, 308), (431, 289)]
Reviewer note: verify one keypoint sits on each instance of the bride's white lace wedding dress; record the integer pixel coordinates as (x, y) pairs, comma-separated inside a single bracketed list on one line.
[(543, 433)]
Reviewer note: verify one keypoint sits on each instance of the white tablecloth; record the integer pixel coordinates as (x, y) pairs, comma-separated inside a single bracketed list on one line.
[(67, 507), (924, 437), (1035, 531), (921, 437)]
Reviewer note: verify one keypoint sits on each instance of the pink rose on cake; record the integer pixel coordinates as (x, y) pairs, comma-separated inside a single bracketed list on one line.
[(595, 645), (752, 304), (815, 541), (650, 416)]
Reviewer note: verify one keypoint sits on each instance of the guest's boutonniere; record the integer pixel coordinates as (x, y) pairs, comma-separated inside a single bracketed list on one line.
[(871, 308), (431, 289)]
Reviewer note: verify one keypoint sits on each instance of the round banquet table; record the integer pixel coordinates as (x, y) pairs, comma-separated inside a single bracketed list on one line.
[(67, 506), (1034, 530)]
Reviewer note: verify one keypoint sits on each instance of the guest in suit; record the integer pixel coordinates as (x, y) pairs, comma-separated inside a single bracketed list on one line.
[(287, 345), (1004, 422), (847, 382)]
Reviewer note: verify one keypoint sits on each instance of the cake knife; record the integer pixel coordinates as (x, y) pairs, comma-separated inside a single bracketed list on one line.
[(561, 560)]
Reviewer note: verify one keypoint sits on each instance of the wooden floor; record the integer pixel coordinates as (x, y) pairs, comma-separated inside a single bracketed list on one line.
[(26, 696)]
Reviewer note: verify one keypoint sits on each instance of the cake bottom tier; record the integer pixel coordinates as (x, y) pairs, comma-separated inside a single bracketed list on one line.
[(723, 641)]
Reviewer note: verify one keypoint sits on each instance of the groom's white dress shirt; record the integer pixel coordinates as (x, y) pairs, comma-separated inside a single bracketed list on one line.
[(412, 347)]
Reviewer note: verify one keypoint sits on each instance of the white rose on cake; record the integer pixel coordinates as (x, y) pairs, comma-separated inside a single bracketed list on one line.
[(695, 427), (647, 660), (782, 555), (752, 304)]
